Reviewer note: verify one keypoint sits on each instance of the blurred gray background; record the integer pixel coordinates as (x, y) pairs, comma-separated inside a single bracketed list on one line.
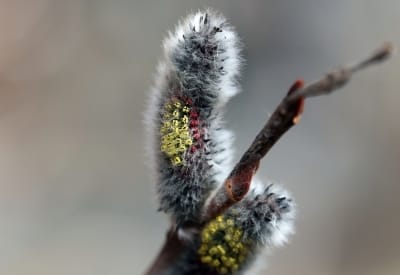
[(75, 193)]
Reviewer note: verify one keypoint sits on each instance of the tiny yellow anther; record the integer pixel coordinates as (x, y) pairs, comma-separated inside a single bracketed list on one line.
[(213, 251), (185, 119), (206, 259), (176, 161), (216, 263), (221, 250)]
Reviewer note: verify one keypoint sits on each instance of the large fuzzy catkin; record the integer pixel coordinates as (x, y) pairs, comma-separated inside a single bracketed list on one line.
[(189, 146)]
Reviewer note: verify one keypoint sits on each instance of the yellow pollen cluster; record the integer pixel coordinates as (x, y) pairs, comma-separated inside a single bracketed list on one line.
[(222, 246), (175, 135)]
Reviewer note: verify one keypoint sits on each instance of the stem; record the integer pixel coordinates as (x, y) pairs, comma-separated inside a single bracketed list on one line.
[(168, 254), (282, 119)]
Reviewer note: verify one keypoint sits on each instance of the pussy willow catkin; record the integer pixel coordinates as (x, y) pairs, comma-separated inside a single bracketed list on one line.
[(189, 146), (231, 241)]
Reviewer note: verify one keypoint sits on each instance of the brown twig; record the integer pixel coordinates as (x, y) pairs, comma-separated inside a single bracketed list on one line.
[(172, 248), (282, 119)]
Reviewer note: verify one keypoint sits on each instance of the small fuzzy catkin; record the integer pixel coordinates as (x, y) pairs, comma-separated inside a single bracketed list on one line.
[(231, 242), (188, 144), (264, 218)]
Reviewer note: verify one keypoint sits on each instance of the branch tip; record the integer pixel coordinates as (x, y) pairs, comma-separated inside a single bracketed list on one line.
[(379, 55), (287, 114)]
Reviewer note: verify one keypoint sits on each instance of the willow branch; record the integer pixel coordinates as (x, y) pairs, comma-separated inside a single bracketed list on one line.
[(168, 254), (282, 119)]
